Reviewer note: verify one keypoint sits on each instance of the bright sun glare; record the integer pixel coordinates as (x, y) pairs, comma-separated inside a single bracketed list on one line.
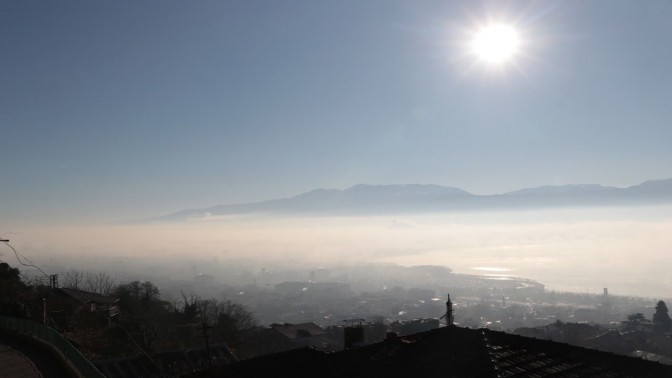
[(495, 44)]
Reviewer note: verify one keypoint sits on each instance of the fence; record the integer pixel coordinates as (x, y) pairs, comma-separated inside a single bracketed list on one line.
[(52, 338)]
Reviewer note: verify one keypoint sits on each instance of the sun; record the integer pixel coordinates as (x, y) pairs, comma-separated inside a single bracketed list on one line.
[(495, 44)]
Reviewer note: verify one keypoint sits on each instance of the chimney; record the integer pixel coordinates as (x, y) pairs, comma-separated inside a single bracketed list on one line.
[(353, 333)]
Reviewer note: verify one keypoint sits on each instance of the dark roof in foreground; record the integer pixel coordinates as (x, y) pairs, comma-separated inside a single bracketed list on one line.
[(82, 296), (166, 364), (447, 352)]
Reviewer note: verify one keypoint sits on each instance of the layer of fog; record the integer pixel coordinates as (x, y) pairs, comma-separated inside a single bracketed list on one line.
[(626, 250)]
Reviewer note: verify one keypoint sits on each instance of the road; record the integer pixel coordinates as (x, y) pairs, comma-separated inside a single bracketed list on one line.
[(24, 358)]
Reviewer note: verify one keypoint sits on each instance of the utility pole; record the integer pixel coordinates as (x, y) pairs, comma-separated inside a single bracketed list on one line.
[(207, 342), (53, 281)]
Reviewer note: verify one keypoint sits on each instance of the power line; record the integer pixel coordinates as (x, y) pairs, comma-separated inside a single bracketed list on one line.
[(17, 254)]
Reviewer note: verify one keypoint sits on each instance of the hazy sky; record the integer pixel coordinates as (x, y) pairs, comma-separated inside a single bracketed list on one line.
[(118, 109)]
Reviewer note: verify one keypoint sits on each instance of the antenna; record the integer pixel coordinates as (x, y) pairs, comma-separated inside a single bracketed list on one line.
[(449, 315)]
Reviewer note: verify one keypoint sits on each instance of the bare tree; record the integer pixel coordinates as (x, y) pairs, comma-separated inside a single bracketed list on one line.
[(231, 318), (73, 279), (190, 308), (228, 318), (106, 284), (100, 283), (90, 282)]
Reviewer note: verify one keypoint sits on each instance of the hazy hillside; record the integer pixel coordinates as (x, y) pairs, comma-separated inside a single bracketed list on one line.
[(416, 198)]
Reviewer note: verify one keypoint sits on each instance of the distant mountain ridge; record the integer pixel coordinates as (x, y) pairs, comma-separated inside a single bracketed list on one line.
[(418, 198)]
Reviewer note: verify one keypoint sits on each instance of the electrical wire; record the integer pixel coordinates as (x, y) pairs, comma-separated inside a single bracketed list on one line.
[(30, 263)]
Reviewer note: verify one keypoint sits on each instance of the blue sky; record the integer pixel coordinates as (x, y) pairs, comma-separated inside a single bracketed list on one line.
[(115, 110)]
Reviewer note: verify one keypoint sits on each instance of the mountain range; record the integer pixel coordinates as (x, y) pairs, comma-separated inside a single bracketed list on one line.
[(417, 198)]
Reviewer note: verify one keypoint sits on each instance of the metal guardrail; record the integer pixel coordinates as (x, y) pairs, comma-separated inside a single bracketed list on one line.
[(49, 336)]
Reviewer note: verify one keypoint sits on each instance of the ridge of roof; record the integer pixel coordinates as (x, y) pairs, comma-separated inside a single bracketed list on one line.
[(86, 296)]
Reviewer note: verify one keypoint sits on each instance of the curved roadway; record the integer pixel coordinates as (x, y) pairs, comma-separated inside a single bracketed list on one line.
[(23, 358)]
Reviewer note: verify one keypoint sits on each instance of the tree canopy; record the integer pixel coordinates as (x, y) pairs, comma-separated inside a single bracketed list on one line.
[(12, 299), (661, 319)]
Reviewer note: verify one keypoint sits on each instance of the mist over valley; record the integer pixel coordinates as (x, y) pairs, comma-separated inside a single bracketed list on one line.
[(577, 238)]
